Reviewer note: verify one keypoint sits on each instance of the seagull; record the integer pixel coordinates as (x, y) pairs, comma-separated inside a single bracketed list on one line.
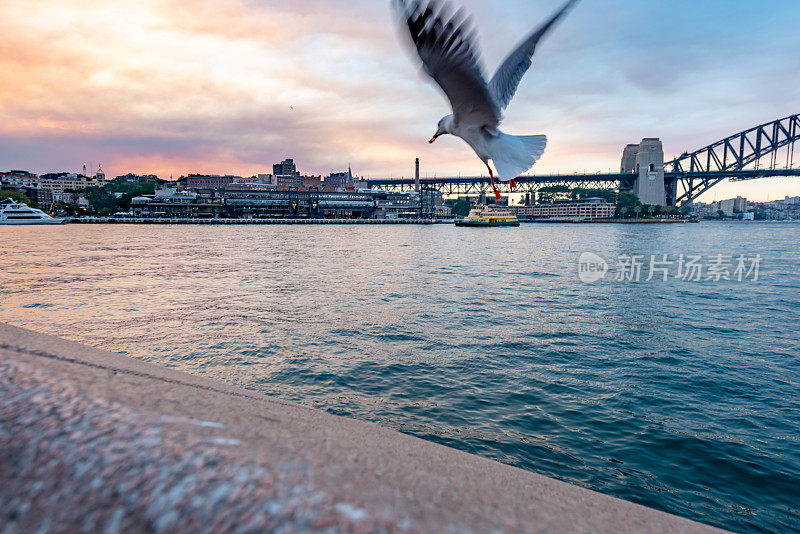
[(446, 44)]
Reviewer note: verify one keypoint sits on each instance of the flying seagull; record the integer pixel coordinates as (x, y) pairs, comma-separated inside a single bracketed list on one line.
[(446, 44)]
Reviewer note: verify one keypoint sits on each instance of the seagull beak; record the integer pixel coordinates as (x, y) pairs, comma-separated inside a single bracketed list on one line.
[(437, 134)]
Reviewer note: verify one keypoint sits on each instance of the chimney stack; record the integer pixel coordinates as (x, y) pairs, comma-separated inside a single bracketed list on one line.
[(416, 174)]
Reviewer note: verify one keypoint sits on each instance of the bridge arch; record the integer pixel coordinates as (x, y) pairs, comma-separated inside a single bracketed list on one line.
[(692, 174)]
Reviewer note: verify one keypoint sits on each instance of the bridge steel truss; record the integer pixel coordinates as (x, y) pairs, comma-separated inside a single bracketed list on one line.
[(476, 186), (737, 157)]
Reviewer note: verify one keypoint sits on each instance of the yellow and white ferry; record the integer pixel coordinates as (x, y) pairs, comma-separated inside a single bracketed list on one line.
[(485, 216)]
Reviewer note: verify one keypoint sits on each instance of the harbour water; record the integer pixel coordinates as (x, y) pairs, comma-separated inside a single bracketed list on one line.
[(682, 395)]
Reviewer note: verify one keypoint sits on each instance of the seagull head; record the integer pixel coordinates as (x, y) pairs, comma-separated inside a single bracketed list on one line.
[(445, 127)]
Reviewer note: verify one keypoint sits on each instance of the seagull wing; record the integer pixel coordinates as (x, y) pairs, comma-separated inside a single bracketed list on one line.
[(506, 80), (446, 45)]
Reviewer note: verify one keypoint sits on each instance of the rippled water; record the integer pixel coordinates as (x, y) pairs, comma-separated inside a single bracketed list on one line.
[(682, 396)]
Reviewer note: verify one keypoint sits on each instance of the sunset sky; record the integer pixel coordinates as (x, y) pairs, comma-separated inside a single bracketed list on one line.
[(177, 86)]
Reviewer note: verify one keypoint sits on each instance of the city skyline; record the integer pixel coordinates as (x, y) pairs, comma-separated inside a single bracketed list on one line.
[(170, 87)]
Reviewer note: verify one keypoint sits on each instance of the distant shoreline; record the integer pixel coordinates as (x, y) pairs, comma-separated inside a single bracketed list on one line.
[(610, 221), (110, 220)]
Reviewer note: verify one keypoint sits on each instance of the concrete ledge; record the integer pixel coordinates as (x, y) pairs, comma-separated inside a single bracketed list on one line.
[(91, 440)]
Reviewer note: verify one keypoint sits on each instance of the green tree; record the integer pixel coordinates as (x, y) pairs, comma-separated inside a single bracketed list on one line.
[(628, 201), (100, 199), (552, 193), (137, 190), (103, 200), (16, 196), (609, 195), (462, 207)]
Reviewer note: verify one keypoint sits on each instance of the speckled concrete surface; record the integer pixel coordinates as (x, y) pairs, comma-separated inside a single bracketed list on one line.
[(92, 441)]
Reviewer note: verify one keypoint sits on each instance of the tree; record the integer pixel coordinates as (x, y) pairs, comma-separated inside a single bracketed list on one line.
[(462, 207), (637, 210), (16, 196), (100, 199), (552, 193), (628, 201), (609, 195)]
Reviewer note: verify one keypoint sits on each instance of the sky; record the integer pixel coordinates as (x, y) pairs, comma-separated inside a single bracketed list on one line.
[(232, 86)]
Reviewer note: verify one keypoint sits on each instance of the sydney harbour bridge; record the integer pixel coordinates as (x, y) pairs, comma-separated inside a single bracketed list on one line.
[(764, 151)]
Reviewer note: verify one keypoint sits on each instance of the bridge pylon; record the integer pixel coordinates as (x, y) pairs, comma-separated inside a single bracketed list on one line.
[(646, 161)]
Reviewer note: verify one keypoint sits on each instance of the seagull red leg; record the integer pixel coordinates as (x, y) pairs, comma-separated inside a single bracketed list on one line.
[(491, 179)]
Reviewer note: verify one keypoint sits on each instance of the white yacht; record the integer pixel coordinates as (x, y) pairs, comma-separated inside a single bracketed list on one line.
[(12, 212)]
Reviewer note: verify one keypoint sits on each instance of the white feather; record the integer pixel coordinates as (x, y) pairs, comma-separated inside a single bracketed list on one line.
[(446, 44)]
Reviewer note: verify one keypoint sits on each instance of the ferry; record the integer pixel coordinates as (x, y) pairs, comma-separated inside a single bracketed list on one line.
[(12, 212), (485, 216)]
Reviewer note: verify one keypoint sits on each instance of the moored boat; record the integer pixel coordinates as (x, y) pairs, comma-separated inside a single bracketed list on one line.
[(12, 212)]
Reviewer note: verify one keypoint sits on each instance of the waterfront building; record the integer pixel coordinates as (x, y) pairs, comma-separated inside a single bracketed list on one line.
[(588, 208), (443, 212), (312, 181), (289, 181), (252, 200), (42, 197), (28, 184), (393, 205), (286, 175), (253, 204), (339, 181), (19, 179), (727, 207), (266, 179), (740, 204), (284, 168), (701, 210), (251, 186), (212, 181), (171, 203), (62, 185)]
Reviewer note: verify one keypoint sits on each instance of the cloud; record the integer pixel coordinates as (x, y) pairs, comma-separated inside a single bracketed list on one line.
[(177, 86)]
